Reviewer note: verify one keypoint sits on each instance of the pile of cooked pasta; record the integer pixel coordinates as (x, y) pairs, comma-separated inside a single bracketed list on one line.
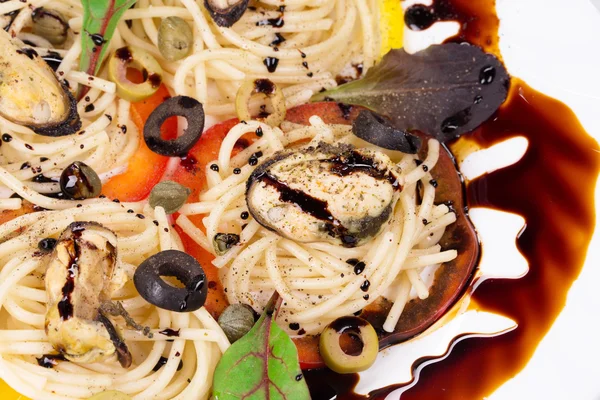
[(322, 38), (320, 41), (315, 280), (23, 340)]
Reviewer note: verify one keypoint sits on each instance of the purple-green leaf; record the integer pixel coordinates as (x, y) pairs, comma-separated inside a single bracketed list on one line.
[(261, 365), (445, 90), (100, 19)]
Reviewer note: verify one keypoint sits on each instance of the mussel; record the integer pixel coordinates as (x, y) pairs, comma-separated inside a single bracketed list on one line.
[(30, 93), (333, 193), (78, 281), (225, 13)]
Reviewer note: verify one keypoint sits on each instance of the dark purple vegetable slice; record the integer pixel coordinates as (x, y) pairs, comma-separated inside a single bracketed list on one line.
[(376, 130), (150, 285), (226, 17), (181, 106), (451, 278)]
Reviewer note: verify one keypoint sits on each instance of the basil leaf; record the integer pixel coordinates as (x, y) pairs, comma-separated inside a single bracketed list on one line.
[(100, 19), (445, 90), (263, 364)]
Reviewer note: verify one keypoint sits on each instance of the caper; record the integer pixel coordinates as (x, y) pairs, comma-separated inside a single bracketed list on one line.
[(175, 38), (49, 24), (236, 320), (333, 354), (110, 395), (169, 195), (78, 181), (223, 242), (134, 57)]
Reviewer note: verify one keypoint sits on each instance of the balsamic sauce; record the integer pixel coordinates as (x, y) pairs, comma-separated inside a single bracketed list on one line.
[(50, 360), (53, 59), (552, 187), (271, 63), (264, 86), (170, 332), (65, 307)]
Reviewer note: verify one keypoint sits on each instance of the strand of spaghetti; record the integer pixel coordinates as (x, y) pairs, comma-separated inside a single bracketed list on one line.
[(212, 220), (20, 314), (437, 225), (200, 80), (305, 256), (207, 36), (329, 305), (10, 204), (157, 12), (92, 81), (417, 284), (429, 162), (69, 59), (194, 233), (399, 303), (312, 51), (11, 5), (61, 376), (209, 323), (248, 255), (283, 290), (166, 373), (430, 259)]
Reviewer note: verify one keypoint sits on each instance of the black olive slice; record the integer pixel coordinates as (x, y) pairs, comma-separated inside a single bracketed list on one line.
[(180, 106), (377, 130), (226, 17), (156, 291)]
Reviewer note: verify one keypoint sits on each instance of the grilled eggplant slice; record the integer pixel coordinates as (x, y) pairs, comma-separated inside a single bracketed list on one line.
[(30, 93), (78, 282), (334, 193)]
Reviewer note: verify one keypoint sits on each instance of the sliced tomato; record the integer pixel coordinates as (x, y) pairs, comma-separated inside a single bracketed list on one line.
[(145, 168), (8, 215), (216, 301)]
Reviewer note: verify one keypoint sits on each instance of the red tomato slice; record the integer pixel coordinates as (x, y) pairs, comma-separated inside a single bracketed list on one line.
[(145, 168)]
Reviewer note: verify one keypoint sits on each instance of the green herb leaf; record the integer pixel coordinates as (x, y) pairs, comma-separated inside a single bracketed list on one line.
[(100, 19), (445, 90), (261, 365)]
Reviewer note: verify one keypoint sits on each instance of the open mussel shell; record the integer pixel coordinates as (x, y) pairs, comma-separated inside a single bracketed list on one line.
[(30, 93), (333, 193)]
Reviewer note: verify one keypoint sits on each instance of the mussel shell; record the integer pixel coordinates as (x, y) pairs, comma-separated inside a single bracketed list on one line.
[(30, 93), (348, 200), (226, 17)]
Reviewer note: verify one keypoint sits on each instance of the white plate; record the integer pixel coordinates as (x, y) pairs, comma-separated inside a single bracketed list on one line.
[(554, 46)]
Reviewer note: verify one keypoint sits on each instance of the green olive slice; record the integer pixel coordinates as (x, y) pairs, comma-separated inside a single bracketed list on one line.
[(110, 395), (336, 358), (271, 91), (133, 57)]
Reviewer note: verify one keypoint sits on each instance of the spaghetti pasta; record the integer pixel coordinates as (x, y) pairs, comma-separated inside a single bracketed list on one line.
[(23, 306), (314, 279), (316, 42)]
